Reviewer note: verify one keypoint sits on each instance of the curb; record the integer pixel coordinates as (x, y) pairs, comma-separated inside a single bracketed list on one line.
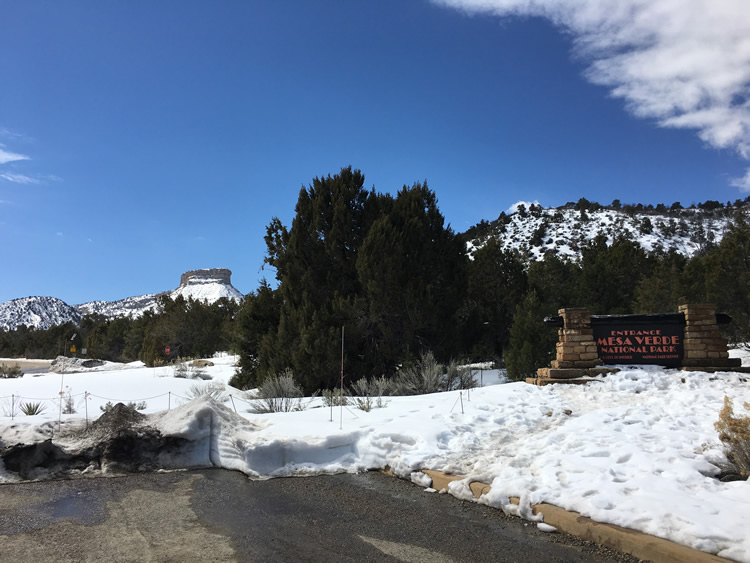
[(638, 544)]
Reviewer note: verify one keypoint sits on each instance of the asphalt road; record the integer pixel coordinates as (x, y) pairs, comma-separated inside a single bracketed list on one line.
[(218, 515)]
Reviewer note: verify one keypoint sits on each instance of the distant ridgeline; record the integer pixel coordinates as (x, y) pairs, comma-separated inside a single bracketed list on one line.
[(535, 231), (689, 339)]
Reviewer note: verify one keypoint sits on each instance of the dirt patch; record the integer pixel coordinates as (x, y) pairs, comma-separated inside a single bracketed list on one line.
[(120, 417)]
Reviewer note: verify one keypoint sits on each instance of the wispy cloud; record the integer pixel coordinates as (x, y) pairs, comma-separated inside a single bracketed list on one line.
[(683, 63), (10, 172), (7, 156), (742, 183), (18, 178), (8, 134)]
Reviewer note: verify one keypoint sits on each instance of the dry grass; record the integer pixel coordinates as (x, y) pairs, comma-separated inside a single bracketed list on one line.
[(734, 432)]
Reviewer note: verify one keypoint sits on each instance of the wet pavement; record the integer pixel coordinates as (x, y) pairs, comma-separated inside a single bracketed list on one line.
[(218, 515)]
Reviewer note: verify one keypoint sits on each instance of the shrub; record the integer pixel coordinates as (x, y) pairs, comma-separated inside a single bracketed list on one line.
[(375, 387), (734, 432), (9, 372), (332, 397), (458, 377), (30, 409), (426, 376), (213, 389), (369, 393), (66, 401), (183, 370), (278, 393), (180, 370), (245, 377), (9, 407), (139, 406)]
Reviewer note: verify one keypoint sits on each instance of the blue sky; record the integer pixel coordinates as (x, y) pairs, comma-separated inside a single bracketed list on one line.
[(139, 140)]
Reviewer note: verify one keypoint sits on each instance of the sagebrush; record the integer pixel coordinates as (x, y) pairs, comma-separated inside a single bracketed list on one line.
[(10, 371), (278, 393), (734, 432), (183, 370), (368, 393), (214, 389), (425, 376), (334, 398), (458, 377)]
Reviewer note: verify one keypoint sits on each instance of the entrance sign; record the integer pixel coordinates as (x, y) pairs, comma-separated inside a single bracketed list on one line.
[(689, 339), (640, 339)]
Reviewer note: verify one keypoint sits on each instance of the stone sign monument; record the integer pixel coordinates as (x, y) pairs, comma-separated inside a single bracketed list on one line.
[(689, 339)]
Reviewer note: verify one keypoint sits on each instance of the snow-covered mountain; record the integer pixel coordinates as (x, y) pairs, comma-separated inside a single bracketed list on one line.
[(208, 285), (37, 312), (128, 307), (534, 231)]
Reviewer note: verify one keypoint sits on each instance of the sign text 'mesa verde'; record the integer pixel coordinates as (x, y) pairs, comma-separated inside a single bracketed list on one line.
[(620, 342)]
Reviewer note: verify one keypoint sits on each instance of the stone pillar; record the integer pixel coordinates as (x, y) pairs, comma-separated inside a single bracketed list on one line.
[(576, 347), (704, 347), (577, 356)]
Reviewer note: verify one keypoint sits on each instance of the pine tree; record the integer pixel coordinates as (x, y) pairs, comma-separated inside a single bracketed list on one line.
[(315, 263), (413, 271), (532, 345), (496, 283)]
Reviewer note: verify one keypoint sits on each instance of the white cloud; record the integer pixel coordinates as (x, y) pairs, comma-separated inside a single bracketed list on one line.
[(684, 63), (742, 183), (18, 178), (6, 156), (8, 134)]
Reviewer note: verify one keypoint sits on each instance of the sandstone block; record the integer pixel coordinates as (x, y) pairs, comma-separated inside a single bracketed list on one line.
[(695, 354), (703, 333), (570, 373)]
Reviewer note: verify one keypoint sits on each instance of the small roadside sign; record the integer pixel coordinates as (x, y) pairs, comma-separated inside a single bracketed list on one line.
[(73, 349), (166, 351)]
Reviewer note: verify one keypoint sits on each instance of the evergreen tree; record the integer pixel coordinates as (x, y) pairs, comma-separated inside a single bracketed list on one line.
[(556, 282), (610, 274), (257, 318), (315, 264), (663, 289), (532, 345), (496, 283), (413, 271), (726, 270)]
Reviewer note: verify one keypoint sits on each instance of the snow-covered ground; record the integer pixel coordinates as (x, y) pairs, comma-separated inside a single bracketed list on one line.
[(637, 448)]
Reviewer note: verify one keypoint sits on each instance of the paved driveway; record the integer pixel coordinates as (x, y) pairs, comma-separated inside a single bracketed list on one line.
[(217, 515)]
